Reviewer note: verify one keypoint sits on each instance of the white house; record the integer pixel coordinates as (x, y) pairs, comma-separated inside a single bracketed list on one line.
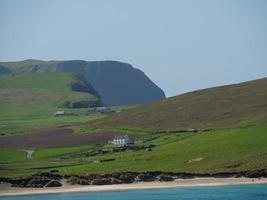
[(59, 113), (122, 140)]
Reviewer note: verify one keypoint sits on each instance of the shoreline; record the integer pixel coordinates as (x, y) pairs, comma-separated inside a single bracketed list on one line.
[(6, 190)]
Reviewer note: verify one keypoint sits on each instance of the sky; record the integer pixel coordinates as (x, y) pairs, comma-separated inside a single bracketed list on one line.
[(181, 45)]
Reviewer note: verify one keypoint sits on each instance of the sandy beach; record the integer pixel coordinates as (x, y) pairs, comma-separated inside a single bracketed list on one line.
[(6, 190)]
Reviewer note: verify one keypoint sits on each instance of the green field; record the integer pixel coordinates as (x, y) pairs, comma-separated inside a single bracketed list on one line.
[(224, 150), (28, 101)]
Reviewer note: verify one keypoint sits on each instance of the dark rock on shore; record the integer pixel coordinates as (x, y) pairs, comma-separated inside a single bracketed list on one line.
[(127, 178), (38, 180), (106, 181), (53, 184), (145, 178), (78, 181), (34, 182), (165, 178), (53, 180), (255, 173)]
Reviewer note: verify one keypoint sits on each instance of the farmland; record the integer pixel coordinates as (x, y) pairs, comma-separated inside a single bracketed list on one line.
[(223, 150)]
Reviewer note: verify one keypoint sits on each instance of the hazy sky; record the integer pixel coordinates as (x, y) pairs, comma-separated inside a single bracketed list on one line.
[(180, 45)]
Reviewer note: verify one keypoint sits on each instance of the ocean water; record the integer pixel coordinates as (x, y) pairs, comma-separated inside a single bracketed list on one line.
[(236, 192)]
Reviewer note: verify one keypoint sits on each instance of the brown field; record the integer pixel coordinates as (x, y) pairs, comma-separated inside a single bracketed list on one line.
[(55, 138)]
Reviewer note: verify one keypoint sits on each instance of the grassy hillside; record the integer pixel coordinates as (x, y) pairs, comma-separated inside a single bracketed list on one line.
[(220, 107), (225, 150), (234, 139), (29, 100)]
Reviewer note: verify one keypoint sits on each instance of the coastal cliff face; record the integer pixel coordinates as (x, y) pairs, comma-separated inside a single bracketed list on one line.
[(117, 83)]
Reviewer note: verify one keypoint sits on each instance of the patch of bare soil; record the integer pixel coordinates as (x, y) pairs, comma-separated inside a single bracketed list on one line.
[(55, 138)]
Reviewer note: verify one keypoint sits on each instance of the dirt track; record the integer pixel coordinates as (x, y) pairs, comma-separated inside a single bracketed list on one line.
[(55, 138)]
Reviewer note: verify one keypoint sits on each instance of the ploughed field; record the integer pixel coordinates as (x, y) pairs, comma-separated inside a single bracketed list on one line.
[(60, 137)]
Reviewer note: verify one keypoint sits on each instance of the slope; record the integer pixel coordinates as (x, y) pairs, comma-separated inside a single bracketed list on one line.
[(30, 96), (219, 107)]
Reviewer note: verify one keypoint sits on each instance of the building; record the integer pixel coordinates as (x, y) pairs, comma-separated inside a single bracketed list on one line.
[(59, 113), (122, 140), (102, 109)]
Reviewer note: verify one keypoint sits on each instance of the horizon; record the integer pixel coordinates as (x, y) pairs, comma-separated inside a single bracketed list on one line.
[(181, 46)]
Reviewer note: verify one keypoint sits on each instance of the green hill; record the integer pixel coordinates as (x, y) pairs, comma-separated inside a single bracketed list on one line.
[(36, 96), (237, 143), (219, 107)]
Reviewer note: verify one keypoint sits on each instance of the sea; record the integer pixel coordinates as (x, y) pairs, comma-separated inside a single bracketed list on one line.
[(230, 192)]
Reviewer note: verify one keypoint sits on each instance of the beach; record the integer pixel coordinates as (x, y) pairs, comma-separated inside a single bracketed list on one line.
[(6, 190)]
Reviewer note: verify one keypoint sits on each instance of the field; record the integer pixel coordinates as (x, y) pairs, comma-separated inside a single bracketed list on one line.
[(28, 101), (56, 137), (223, 150)]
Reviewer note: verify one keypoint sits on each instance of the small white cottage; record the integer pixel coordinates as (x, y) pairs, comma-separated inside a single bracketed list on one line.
[(59, 113), (122, 140)]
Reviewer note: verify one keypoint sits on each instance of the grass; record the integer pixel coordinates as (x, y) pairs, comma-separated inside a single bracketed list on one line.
[(86, 128), (220, 107), (223, 150), (231, 119), (29, 100), (11, 155)]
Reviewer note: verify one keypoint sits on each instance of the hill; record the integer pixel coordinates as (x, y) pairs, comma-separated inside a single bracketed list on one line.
[(117, 83), (27, 99), (219, 107)]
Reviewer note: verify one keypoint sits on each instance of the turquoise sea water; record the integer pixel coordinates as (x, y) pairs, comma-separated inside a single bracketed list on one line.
[(236, 192)]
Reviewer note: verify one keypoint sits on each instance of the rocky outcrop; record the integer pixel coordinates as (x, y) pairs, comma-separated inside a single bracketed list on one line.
[(165, 178), (145, 178), (54, 180), (73, 180), (38, 180), (255, 173), (117, 83), (4, 70), (105, 181), (53, 183)]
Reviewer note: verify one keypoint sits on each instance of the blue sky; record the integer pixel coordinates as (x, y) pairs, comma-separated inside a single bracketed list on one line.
[(181, 45)]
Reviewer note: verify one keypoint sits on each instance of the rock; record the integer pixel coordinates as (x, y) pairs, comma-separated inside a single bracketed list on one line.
[(145, 178), (127, 178), (255, 173), (78, 181), (164, 177), (116, 175), (53, 184), (34, 182), (4, 70), (106, 181), (47, 175)]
